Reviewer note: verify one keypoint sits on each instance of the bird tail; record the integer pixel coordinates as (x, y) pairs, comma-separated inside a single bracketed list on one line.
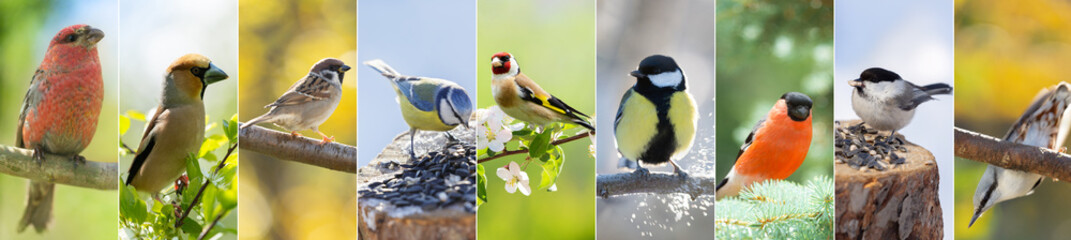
[(937, 88), (38, 206), (584, 123), (256, 120), (383, 68)]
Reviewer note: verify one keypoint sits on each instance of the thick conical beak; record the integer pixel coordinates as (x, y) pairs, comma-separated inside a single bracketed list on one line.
[(496, 63), (637, 74), (214, 74), (344, 68), (93, 35)]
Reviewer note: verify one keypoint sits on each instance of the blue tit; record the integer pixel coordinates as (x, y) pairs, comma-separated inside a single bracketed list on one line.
[(656, 120), (428, 104), (523, 99)]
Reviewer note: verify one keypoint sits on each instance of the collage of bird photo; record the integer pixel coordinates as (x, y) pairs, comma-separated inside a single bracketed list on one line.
[(630, 119)]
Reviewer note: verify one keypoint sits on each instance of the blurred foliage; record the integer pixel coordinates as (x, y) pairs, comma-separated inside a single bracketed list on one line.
[(776, 209), (220, 197), (279, 42), (25, 28), (554, 43), (1006, 52), (766, 49)]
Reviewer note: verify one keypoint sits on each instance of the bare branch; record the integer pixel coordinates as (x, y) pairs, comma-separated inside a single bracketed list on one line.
[(20, 163), (1010, 155), (334, 156), (658, 183)]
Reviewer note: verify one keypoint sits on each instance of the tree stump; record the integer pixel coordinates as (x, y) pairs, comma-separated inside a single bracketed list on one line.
[(380, 218), (898, 203)]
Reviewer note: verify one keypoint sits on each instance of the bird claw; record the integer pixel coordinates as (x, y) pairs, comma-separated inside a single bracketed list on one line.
[(642, 171), (295, 134), (79, 160), (38, 156), (326, 140), (680, 174)]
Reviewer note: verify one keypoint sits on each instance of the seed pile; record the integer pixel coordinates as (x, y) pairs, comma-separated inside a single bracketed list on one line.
[(435, 180), (853, 148)]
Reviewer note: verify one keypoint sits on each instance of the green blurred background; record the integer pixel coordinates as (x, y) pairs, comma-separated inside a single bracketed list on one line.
[(1007, 51), (26, 27), (280, 41), (767, 48), (554, 43)]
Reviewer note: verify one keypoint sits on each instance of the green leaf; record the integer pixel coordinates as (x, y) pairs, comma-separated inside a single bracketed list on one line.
[(124, 124), (136, 115), (540, 143), (230, 127), (552, 168), (130, 206), (523, 132), (211, 143), (481, 185), (190, 226)]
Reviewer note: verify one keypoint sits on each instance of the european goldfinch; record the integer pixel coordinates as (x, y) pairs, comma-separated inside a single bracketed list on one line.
[(521, 98), (887, 102), (656, 120), (775, 148), (310, 101), (176, 130), (428, 104), (59, 113), (1044, 124)]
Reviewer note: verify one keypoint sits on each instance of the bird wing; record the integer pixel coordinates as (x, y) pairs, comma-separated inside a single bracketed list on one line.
[(750, 138), (921, 94), (621, 107), (148, 143), (419, 91), (530, 91), (312, 87), (31, 99)]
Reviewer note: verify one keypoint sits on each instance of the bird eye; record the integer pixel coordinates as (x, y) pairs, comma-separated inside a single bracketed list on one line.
[(197, 71), (71, 38)]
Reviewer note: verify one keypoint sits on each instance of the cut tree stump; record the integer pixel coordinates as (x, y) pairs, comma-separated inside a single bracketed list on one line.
[(379, 219), (898, 203)]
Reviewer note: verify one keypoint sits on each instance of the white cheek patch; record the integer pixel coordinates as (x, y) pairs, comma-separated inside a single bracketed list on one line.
[(446, 113), (666, 79)]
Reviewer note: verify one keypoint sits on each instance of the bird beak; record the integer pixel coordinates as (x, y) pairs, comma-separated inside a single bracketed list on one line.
[(496, 63), (94, 35), (856, 83), (214, 74), (344, 68), (637, 74)]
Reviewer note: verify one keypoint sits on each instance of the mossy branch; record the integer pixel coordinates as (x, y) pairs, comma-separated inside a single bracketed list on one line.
[(1011, 155), (56, 169), (283, 146)]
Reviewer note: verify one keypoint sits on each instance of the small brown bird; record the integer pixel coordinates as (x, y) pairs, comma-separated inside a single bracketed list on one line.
[(523, 99), (177, 128), (310, 101)]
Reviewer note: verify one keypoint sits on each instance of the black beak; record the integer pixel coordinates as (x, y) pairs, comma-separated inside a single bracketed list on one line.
[(637, 74), (799, 113), (344, 68)]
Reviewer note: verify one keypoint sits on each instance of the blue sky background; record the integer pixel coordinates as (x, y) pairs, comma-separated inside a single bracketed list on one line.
[(913, 38), (417, 38)]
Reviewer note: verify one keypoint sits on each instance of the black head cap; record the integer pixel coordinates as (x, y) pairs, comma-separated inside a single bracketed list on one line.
[(876, 74), (799, 105), (655, 64)]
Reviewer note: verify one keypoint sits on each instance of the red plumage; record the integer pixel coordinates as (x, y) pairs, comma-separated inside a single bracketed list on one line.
[(60, 110)]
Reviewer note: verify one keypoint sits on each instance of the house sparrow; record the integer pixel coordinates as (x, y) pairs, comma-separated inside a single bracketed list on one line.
[(59, 113), (1044, 124), (523, 99), (887, 102), (656, 120), (310, 101), (428, 104), (775, 148), (176, 130)]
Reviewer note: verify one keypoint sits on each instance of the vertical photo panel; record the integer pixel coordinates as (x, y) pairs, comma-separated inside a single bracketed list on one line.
[(656, 98), (177, 119), (1010, 64), (298, 103), (775, 125), (893, 89), (536, 95), (417, 71), (59, 90)]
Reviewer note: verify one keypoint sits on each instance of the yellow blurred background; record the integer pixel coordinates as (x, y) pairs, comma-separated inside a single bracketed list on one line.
[(1007, 51), (279, 42)]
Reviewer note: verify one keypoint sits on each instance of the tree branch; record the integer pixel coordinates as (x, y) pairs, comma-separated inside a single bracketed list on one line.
[(56, 169), (197, 198), (519, 151), (1011, 155), (334, 156), (659, 183)]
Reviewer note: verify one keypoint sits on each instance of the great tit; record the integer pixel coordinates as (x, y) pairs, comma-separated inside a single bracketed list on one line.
[(656, 119)]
